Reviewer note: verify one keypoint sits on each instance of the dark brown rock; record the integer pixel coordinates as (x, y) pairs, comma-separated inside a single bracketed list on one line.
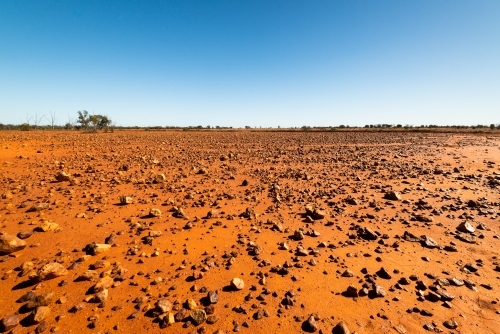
[(8, 322), (341, 328)]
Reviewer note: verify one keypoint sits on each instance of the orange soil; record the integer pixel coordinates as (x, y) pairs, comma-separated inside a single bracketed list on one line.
[(325, 170)]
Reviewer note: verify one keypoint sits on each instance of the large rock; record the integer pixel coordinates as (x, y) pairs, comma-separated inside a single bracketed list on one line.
[(466, 237), (155, 212), (62, 176), (199, 316), (472, 204), (237, 283), (191, 304), (40, 314), (101, 296), (379, 291), (450, 324), (10, 244), (47, 226), (160, 178), (50, 271), (164, 305), (393, 196), (105, 283), (428, 242), (424, 219), (126, 200), (213, 296), (341, 328), (24, 234), (298, 235), (30, 295), (100, 248), (167, 320), (8, 322), (249, 213), (25, 268), (310, 325), (384, 273), (88, 275), (44, 299), (39, 207), (213, 214), (411, 237), (367, 234), (351, 291), (202, 170), (315, 213), (466, 227), (95, 249), (7, 195)]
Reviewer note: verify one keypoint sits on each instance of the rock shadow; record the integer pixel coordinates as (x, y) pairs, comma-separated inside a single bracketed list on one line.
[(24, 284)]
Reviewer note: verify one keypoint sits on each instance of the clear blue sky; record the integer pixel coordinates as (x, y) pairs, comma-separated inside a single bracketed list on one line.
[(258, 63)]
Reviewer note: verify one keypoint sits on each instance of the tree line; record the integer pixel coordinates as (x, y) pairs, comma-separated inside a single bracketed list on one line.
[(93, 122), (84, 121)]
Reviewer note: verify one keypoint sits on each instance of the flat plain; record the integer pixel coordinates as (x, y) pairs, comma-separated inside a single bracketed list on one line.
[(251, 232)]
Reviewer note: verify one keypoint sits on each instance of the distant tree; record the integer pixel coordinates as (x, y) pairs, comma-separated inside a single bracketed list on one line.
[(28, 119), (37, 119), (83, 119), (492, 126), (52, 119), (104, 122), (25, 127), (94, 120), (247, 127), (399, 126), (98, 122)]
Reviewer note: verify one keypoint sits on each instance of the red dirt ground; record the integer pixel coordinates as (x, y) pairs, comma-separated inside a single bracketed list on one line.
[(443, 179)]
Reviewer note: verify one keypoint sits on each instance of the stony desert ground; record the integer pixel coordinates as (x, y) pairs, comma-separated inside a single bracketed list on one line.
[(251, 232)]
